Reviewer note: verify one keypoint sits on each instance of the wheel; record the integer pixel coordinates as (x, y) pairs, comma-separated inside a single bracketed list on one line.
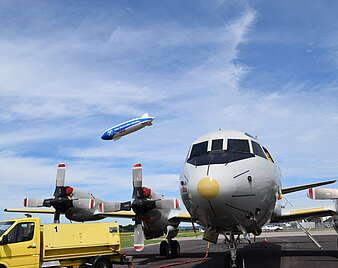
[(101, 263), (164, 249), (175, 249)]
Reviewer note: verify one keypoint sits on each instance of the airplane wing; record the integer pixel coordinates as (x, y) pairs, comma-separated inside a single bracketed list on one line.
[(173, 215), (179, 216), (41, 211), (305, 186), (128, 215), (294, 215), (182, 217)]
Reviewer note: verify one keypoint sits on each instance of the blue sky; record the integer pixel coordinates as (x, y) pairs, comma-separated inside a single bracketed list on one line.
[(70, 69)]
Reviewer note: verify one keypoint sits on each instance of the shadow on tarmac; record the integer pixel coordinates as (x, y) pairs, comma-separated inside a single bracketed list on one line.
[(265, 255)]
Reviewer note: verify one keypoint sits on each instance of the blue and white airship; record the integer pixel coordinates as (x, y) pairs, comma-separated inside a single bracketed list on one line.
[(125, 128)]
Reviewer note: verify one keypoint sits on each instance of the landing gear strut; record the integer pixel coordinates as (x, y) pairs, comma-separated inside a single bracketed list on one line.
[(235, 260), (170, 248)]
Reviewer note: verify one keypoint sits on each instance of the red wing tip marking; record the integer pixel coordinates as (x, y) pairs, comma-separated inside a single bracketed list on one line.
[(137, 165), (61, 165)]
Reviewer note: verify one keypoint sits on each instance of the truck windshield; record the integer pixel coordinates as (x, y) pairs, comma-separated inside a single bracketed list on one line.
[(4, 226)]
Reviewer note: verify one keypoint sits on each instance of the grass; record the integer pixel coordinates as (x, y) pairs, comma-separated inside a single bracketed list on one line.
[(127, 239)]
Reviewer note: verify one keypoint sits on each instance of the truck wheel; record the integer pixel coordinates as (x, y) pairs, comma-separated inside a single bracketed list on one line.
[(101, 263)]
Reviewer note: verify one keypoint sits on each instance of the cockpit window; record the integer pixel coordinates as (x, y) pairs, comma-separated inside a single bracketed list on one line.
[(257, 149), (199, 149), (238, 145), (237, 150), (217, 145), (268, 155)]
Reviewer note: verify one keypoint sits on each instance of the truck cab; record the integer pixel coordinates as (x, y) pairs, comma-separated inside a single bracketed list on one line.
[(25, 243), (20, 243)]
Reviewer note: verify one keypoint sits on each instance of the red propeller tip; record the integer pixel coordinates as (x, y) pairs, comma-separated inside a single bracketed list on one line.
[(139, 248), (177, 203), (61, 165), (137, 165)]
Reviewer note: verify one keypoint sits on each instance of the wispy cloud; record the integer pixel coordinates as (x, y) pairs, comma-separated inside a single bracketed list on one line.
[(67, 84)]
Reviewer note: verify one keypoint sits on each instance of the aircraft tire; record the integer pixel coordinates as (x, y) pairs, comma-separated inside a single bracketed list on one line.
[(175, 249), (164, 249)]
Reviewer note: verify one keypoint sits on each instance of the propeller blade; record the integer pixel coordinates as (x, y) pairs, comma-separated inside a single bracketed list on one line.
[(114, 206), (167, 203), (60, 175), (33, 202), (137, 180), (84, 203), (138, 237)]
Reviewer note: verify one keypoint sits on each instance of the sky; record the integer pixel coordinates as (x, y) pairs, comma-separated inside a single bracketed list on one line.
[(71, 69)]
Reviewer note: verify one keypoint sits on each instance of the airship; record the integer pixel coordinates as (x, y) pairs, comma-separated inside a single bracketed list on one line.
[(125, 128)]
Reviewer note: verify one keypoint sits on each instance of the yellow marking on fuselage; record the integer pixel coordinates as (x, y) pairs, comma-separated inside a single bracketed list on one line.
[(208, 188)]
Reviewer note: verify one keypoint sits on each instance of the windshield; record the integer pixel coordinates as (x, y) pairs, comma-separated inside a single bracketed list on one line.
[(199, 149), (238, 145), (4, 226), (237, 150), (257, 149)]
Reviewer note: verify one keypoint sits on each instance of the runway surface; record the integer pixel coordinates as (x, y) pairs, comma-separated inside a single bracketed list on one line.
[(284, 249)]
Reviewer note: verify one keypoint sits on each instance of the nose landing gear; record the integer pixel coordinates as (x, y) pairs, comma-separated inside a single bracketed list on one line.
[(234, 260)]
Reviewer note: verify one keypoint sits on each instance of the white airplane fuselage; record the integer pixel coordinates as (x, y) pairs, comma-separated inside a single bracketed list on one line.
[(229, 190)]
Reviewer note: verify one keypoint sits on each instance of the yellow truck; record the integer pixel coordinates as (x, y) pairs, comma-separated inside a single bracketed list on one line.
[(25, 243)]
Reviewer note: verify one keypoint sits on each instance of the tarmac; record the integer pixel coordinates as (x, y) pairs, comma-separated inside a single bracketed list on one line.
[(271, 249)]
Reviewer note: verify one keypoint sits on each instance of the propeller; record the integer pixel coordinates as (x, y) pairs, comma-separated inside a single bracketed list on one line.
[(145, 200), (62, 196), (75, 204)]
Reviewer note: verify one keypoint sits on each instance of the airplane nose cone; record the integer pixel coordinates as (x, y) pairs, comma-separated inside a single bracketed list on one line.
[(208, 188)]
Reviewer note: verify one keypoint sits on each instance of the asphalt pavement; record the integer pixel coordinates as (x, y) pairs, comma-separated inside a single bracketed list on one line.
[(286, 250)]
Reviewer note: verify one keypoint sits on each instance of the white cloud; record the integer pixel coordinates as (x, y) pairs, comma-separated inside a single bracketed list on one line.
[(45, 82)]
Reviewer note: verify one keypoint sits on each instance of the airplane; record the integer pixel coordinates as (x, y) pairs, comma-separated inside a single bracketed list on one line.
[(75, 204), (125, 128), (229, 184)]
